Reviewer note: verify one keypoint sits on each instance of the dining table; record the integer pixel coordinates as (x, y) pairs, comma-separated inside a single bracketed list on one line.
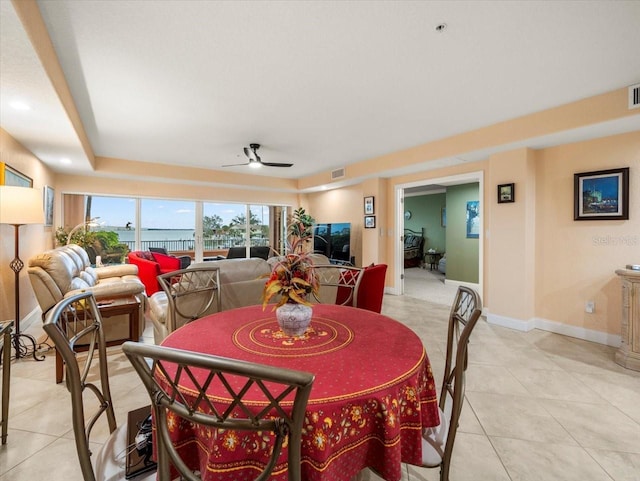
[(372, 396)]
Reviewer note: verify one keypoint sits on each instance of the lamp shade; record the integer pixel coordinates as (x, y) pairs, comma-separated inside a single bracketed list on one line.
[(20, 205)]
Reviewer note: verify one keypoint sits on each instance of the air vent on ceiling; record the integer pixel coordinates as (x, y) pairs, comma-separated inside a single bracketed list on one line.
[(634, 97), (337, 174)]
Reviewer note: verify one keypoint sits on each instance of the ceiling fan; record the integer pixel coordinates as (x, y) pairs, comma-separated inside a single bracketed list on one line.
[(254, 159)]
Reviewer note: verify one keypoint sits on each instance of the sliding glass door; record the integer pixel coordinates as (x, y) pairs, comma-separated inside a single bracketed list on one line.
[(202, 230)]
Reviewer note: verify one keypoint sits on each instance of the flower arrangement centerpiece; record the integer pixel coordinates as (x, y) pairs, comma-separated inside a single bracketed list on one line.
[(293, 278)]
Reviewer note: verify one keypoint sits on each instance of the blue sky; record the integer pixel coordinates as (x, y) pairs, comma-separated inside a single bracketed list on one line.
[(608, 185), (162, 214)]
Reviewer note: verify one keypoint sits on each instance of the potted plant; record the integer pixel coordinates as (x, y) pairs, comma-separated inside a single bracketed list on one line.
[(293, 278)]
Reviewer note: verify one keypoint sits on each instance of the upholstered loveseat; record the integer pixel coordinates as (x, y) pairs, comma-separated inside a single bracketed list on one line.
[(241, 284), (65, 271)]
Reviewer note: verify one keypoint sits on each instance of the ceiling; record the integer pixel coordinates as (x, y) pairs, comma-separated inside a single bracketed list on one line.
[(321, 84)]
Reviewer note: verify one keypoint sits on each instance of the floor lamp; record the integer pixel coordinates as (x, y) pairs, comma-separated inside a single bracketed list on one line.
[(19, 206)]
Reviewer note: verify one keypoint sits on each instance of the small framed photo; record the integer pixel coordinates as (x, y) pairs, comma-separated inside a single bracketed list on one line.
[(48, 205), (601, 195), (369, 221), (368, 206), (506, 193)]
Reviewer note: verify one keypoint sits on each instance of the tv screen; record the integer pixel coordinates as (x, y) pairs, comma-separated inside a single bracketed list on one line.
[(333, 241)]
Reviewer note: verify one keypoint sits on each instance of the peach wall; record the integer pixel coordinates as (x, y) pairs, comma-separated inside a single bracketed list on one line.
[(576, 260), (120, 168), (77, 184), (510, 232), (33, 238), (600, 108), (341, 205)]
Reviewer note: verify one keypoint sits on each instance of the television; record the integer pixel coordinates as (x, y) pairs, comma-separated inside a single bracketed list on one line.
[(333, 240)]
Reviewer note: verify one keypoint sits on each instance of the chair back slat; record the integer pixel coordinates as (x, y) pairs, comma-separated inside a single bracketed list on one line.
[(192, 293), (216, 399), (338, 284)]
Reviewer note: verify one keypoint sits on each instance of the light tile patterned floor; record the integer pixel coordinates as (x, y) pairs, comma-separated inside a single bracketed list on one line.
[(539, 407)]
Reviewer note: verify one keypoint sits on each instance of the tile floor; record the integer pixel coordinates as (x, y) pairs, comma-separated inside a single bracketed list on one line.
[(539, 406)]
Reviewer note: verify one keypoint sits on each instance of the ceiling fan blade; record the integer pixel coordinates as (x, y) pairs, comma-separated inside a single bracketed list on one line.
[(276, 164), (235, 165), (247, 152)]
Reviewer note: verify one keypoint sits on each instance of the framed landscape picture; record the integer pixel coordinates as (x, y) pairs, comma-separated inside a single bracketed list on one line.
[(48, 205), (601, 195), (473, 219), (10, 176), (506, 193)]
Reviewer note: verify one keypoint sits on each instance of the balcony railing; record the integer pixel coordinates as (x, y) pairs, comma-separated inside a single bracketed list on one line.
[(189, 244)]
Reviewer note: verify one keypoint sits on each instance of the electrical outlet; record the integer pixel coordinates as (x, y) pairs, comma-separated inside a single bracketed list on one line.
[(590, 306)]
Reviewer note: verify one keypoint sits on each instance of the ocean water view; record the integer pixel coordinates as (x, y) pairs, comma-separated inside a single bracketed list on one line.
[(129, 235), (179, 239)]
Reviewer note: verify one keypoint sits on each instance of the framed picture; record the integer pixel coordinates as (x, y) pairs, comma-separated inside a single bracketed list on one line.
[(443, 216), (369, 221), (506, 193), (368, 206), (10, 176), (601, 195), (473, 219), (47, 196)]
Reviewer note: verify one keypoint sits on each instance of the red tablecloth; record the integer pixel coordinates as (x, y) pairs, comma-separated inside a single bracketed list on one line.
[(373, 392)]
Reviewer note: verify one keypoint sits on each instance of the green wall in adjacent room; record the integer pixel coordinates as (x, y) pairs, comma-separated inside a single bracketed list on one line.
[(463, 254), (425, 213)]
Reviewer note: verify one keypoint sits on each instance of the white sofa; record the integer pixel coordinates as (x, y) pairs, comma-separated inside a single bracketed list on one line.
[(66, 271)]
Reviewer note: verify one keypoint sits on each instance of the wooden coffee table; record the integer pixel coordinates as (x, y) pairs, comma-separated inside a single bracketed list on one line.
[(109, 308)]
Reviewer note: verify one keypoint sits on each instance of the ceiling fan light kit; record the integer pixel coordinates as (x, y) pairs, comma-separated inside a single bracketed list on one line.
[(254, 159)]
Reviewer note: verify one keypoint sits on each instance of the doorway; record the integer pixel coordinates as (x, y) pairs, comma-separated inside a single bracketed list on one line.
[(450, 283)]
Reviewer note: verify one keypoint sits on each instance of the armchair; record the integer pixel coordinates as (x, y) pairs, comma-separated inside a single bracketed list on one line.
[(185, 261), (151, 265)]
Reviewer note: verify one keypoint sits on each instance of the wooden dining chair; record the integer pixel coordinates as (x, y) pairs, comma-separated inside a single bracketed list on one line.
[(437, 442), (164, 370), (191, 294), (75, 324), (338, 284)]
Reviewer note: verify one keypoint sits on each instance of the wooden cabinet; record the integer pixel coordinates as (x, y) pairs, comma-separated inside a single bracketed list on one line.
[(628, 355)]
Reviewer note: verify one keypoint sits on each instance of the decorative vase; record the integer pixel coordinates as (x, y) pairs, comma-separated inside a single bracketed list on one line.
[(294, 319)]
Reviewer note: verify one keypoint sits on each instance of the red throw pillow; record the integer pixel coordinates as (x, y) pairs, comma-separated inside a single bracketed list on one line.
[(146, 255)]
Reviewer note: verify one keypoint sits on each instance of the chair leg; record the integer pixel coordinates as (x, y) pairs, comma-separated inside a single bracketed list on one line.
[(444, 470), (59, 367)]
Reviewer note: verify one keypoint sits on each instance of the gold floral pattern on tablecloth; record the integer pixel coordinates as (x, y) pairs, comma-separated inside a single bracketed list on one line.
[(365, 409)]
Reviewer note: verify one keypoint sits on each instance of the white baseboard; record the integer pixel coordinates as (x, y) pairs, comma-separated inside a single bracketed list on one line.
[(451, 282), (34, 316), (600, 337), (511, 323), (557, 328)]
